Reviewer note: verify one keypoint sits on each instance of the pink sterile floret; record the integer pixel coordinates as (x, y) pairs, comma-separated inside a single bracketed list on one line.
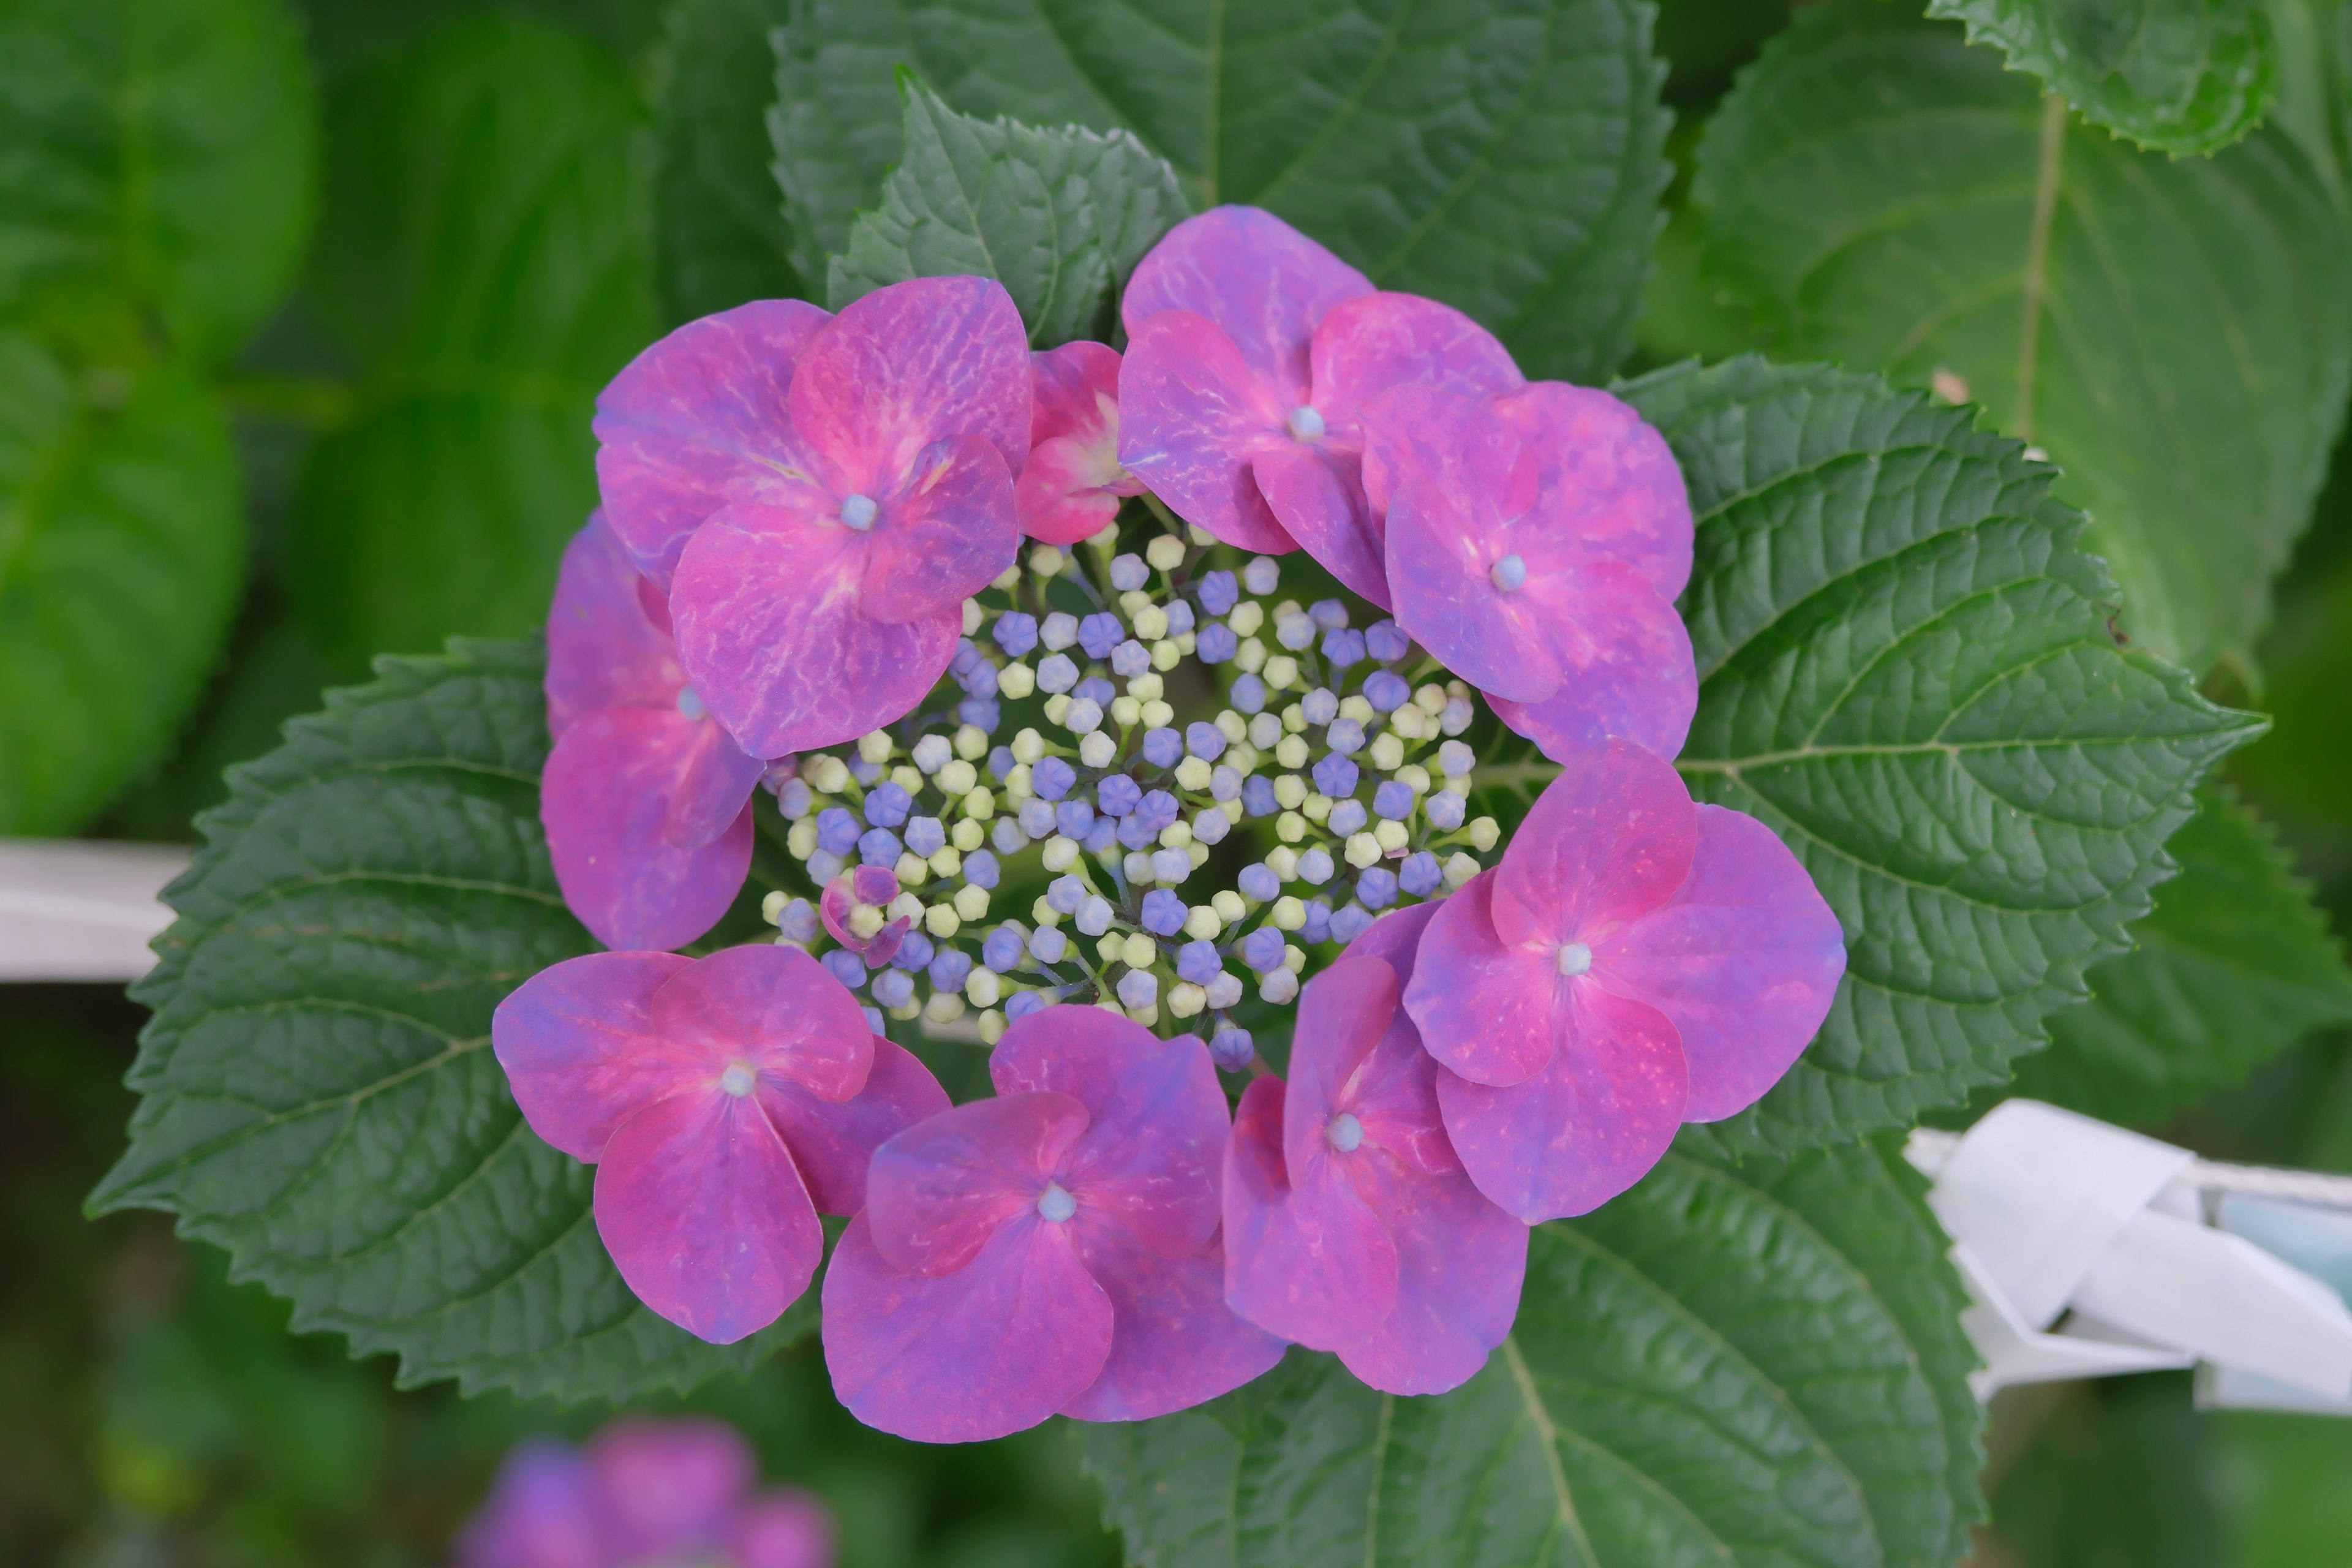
[(1531, 541), (1635, 962), (724, 1100), (828, 493), (646, 1493), (1052, 1249), (647, 801), (1071, 486), (1350, 1223), (1252, 349)]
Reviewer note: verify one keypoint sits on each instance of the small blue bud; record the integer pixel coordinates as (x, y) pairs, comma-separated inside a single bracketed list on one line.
[(1318, 921), (1171, 865), (1315, 867), (793, 798), (1347, 817), (1257, 795), (1116, 794), (1211, 828), (1249, 694), (880, 847), (1129, 572), (1205, 742), (1138, 988), (1065, 894), (799, 921), (980, 681), (1219, 592), (1102, 834), (1258, 883), (1017, 633), (926, 835), (1335, 776), (1056, 674), (1137, 833), (1037, 817), (1350, 921), (1445, 810), (1394, 799), (1296, 633), (864, 772), (1377, 888), (1048, 945), (1232, 1050), (874, 1020), (1093, 917), (1180, 618), (1075, 818), (950, 969), (1158, 809), (1020, 1003), (1130, 659), (982, 714), (1216, 643), (1263, 575), (968, 657), (836, 830), (887, 805), (1318, 706), (1345, 736), (894, 988), (1343, 647), (1008, 836), (1164, 748), (1262, 949), (979, 869), (1198, 962), (1002, 948), (1059, 630), (1051, 778), (1094, 688), (914, 952), (1387, 691), (1421, 875), (1100, 633), (1386, 641), (1001, 762), (844, 966), (1225, 782), (1328, 613)]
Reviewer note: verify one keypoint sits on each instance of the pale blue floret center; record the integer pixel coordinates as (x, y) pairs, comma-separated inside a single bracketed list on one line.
[(1345, 1133), (1306, 423), (737, 1079), (689, 703), (858, 512), (1056, 1204), (1575, 958), (1509, 573)]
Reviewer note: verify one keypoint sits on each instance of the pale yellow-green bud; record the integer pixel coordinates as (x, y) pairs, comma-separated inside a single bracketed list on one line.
[(1061, 853), (1290, 790), (1415, 777), (1028, 747), (1151, 623), (1410, 723), (1148, 1015), (1139, 951), (1430, 699), (1048, 562), (1186, 999), (1288, 914), (1016, 680), (1157, 714), (1250, 657), (828, 774), (801, 838), (1008, 579), (1363, 850), (1112, 945), (910, 779), (1281, 670), (1168, 655), (967, 835), (1146, 688), (1055, 706), (970, 743), (1290, 827), (1392, 835), (1386, 751), (1317, 808), (1247, 618), (1044, 914), (947, 861), (1125, 711), (1283, 861), (979, 805), (912, 868), (864, 921), (1098, 750), (973, 616), (905, 907), (942, 922), (1194, 774), (944, 1007), (1232, 727), (1484, 833), (1290, 752), (983, 987), (992, 1026), (1460, 869), (971, 903), (1202, 923), (1229, 906), (957, 778), (1356, 708), (1294, 957), (1176, 836), (1165, 553)]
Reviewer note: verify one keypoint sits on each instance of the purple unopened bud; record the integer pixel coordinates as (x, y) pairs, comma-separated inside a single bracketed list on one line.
[(926, 835), (1051, 778), (1343, 647), (1259, 883), (1344, 736), (1129, 572), (968, 657), (1002, 948), (887, 805), (982, 714), (1037, 817), (1073, 817), (1158, 809), (1445, 810), (1017, 633), (836, 830), (844, 966), (1394, 799), (1130, 659), (1094, 688), (914, 952), (1001, 762), (1219, 592), (1164, 748), (1347, 817), (1065, 894), (1116, 794), (1249, 694), (1335, 776), (979, 869), (1197, 962), (1180, 618), (1102, 834), (1225, 782), (1262, 949), (1163, 912), (980, 681), (1386, 690), (1020, 1003), (1328, 613), (1205, 742), (1135, 832), (1055, 673), (1048, 945), (1377, 888), (880, 847), (894, 988), (1232, 1050), (1100, 633), (1386, 641), (1216, 643), (950, 969), (1318, 921), (1350, 921), (1257, 795), (1421, 875)]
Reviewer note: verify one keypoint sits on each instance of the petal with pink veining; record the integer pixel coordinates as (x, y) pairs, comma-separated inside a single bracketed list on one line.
[(775, 1009), (1305, 1258), (1316, 493), (1263, 281), (608, 797), (772, 635), (1744, 960), (698, 420), (1174, 1342), (1392, 1095), (1445, 549), (1076, 387), (938, 1190), (1587, 1126), (1342, 1015), (1609, 480), (943, 534), (1192, 415), (1155, 1137), (578, 1046), (994, 1348), (1460, 1263), (1608, 839), (1487, 1008), (911, 364), (714, 780), (1064, 494), (603, 649), (1395, 938), (1625, 655), (1452, 442), (1374, 342), (833, 1141), (705, 1217)]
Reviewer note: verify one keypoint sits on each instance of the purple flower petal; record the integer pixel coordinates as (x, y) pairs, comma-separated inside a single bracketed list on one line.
[(1607, 479), (943, 535), (668, 1488), (992, 1349), (1460, 1264), (541, 1513), (1368, 345), (704, 1216), (938, 1190), (1631, 674), (1744, 960), (1066, 492), (1590, 1125), (698, 420), (577, 1043), (1148, 1161), (1608, 839), (1307, 1260), (1174, 1342), (1485, 1008), (1395, 938), (774, 1009), (771, 632), (1192, 414), (782, 1527), (833, 1142), (909, 365), (603, 649), (1342, 1015), (1264, 282), (1316, 493)]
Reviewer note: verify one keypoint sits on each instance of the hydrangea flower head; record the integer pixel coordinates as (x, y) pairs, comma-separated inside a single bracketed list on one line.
[(827, 529), (645, 1494), (724, 1101), (1350, 1223), (1052, 1248), (646, 799), (1070, 488), (1252, 349), (1505, 562), (1635, 962)]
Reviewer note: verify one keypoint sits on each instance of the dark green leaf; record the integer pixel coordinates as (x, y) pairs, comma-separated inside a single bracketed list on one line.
[(2176, 334), (155, 156), (2234, 964), (1759, 1367), (1906, 669), (320, 1095), (1503, 155), (121, 548), (718, 216), (2315, 97), (485, 256), (2178, 76), (2117, 1473), (1059, 216)]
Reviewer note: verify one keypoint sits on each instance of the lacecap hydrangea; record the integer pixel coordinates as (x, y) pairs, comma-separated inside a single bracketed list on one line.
[(1075, 767)]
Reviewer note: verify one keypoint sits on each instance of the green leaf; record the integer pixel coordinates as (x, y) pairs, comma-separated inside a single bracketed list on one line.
[(2234, 964), (1755, 1367), (121, 550), (155, 156), (2178, 335), (718, 216), (1506, 156), (320, 1095), (1059, 216), (2177, 76), (1906, 669), (485, 257)]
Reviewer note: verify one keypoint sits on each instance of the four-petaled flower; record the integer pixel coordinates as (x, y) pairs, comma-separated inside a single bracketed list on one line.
[(1054, 1248), (1349, 1224), (1071, 486), (1635, 962), (827, 493), (724, 1102), (1536, 541), (1252, 350), (647, 801)]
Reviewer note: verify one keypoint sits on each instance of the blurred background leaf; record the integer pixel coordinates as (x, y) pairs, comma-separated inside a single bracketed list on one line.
[(719, 214)]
